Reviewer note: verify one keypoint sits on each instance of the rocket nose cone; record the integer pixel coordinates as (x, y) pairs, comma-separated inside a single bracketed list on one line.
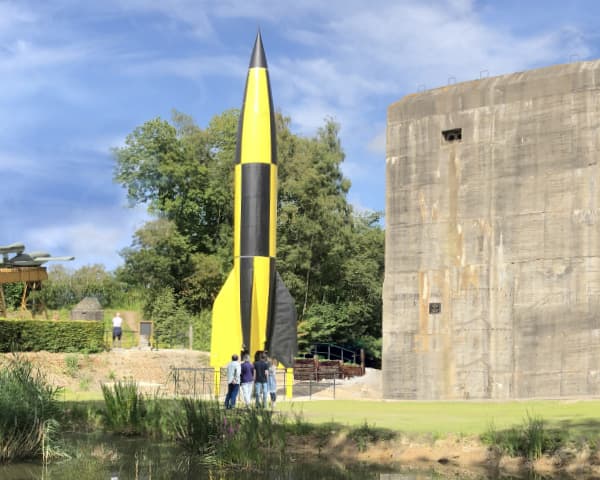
[(258, 58)]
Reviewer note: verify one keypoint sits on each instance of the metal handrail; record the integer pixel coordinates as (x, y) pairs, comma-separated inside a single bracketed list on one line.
[(341, 356)]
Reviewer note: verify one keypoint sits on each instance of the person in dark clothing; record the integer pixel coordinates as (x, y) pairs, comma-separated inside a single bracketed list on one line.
[(247, 380), (261, 375)]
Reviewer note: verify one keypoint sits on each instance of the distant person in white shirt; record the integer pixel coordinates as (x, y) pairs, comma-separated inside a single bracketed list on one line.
[(117, 322)]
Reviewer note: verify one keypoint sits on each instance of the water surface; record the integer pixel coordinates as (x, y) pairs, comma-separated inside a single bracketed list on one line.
[(139, 459)]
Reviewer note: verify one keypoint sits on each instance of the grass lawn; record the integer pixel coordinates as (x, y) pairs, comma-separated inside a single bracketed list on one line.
[(581, 418), (68, 395)]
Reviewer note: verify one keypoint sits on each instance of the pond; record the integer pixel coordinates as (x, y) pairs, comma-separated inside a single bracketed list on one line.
[(137, 459)]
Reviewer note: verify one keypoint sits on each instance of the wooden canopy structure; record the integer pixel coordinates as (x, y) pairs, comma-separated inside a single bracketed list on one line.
[(32, 277)]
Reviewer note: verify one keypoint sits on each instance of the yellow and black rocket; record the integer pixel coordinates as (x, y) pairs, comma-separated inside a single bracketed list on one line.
[(254, 310)]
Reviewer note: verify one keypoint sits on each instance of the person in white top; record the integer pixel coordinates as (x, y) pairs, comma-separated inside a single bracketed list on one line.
[(117, 323)]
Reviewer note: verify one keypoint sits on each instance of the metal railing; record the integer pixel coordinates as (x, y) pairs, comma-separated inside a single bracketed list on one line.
[(335, 352), (199, 383)]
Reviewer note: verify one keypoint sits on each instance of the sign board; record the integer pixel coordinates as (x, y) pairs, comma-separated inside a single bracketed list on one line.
[(146, 329)]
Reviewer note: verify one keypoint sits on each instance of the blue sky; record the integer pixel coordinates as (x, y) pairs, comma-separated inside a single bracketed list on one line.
[(77, 76)]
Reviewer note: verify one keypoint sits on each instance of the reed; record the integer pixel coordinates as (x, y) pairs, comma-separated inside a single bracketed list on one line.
[(531, 439), (244, 438), (28, 411), (125, 408)]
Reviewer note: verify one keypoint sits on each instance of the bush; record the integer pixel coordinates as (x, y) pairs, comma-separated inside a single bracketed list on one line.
[(366, 434), (531, 439), (51, 336)]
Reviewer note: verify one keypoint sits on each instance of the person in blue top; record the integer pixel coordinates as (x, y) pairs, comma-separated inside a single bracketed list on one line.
[(272, 381), (233, 381)]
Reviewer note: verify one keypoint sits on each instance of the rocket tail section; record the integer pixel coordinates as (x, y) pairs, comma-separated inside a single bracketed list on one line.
[(282, 337), (226, 334)]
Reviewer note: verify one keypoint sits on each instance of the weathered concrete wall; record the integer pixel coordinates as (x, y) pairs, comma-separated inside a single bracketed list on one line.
[(502, 229)]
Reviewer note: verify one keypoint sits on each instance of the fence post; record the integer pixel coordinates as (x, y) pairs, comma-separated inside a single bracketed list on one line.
[(334, 387), (195, 371), (362, 360), (289, 383), (217, 388)]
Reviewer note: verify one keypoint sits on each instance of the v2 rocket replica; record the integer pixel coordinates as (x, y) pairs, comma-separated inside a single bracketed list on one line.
[(254, 310)]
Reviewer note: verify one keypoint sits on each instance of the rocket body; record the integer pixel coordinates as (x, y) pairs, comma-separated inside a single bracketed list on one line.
[(254, 311)]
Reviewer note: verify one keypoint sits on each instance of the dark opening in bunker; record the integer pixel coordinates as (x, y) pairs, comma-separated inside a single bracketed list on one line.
[(435, 308), (452, 135)]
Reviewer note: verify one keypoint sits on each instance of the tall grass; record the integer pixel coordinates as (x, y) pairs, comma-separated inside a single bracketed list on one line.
[(531, 439), (247, 438), (125, 407), (28, 411)]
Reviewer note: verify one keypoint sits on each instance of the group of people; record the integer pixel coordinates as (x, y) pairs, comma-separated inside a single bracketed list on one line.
[(246, 376)]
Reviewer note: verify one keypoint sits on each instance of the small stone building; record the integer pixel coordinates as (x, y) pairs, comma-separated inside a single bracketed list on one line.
[(88, 309)]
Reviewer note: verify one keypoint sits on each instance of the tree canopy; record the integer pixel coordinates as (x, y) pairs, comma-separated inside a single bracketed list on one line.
[(330, 257)]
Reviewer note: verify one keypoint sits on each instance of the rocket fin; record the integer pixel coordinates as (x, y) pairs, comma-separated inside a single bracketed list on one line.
[(282, 342), (226, 335)]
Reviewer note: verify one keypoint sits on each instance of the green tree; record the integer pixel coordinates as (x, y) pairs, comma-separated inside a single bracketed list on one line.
[(181, 173), (65, 288), (330, 258), (159, 257), (12, 294), (171, 321)]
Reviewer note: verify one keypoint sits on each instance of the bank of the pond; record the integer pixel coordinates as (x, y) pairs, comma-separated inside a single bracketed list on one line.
[(452, 455), (448, 454), (444, 436), (550, 437)]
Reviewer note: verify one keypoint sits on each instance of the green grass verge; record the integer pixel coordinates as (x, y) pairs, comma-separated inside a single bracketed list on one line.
[(437, 419), (580, 418)]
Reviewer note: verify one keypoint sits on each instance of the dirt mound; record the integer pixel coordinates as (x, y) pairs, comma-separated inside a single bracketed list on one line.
[(82, 373)]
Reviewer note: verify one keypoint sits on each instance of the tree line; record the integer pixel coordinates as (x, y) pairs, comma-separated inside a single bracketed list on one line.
[(329, 255)]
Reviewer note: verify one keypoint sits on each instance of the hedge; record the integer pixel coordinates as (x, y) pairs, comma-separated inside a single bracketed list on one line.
[(51, 336)]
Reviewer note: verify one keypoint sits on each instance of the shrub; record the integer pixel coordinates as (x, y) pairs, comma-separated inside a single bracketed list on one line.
[(531, 439), (366, 434), (72, 365), (52, 336)]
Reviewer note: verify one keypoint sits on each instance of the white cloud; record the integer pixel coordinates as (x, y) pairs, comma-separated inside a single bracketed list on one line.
[(23, 55), (15, 163), (377, 143), (96, 237), (99, 144), (13, 16), (192, 13), (307, 116), (193, 68)]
